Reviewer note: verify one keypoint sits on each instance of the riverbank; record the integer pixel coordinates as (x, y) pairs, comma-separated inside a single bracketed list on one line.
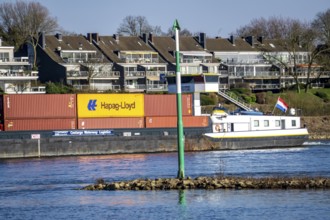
[(318, 127), (210, 183)]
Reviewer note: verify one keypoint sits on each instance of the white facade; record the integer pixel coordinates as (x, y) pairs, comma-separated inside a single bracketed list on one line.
[(16, 76)]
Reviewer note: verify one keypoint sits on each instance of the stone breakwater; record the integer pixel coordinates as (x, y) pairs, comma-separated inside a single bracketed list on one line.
[(210, 183)]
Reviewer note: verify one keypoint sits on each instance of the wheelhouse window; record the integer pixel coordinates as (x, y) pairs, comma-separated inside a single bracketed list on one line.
[(293, 123), (277, 123), (256, 123), (266, 123)]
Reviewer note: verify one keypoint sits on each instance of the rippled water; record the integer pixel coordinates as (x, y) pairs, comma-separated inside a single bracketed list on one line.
[(45, 188)]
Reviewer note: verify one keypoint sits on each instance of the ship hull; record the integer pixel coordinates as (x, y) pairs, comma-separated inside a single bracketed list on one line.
[(76, 143)]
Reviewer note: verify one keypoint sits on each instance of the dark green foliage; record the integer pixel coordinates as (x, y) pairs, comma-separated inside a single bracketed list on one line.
[(57, 88), (322, 95), (207, 100), (316, 102)]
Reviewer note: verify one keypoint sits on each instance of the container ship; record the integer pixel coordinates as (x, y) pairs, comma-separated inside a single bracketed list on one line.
[(89, 124)]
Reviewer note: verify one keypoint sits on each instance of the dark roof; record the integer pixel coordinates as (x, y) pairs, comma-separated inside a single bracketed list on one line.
[(225, 45), (272, 45), (67, 43), (166, 46), (110, 45)]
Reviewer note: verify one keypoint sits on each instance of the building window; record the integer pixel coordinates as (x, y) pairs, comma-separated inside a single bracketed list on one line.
[(277, 123), (4, 57), (266, 123), (293, 123), (256, 123)]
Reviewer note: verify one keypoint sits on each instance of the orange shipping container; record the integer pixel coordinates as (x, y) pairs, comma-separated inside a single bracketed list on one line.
[(110, 123), (40, 124), (171, 121), (28, 106), (165, 105)]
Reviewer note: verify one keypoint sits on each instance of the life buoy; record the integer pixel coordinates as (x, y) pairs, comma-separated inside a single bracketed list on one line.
[(217, 128)]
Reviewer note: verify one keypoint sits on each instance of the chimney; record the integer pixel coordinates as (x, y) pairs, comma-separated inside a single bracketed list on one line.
[(232, 40), (250, 40), (261, 39), (145, 38), (151, 37), (202, 40), (42, 40), (116, 37), (89, 37), (59, 36), (95, 37)]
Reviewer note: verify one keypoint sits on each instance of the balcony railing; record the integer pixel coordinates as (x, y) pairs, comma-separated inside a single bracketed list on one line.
[(191, 60), (157, 87), (38, 89), (96, 87), (257, 74), (110, 74), (14, 60), (135, 87), (18, 73), (245, 62), (91, 61), (266, 86), (135, 74), (139, 60)]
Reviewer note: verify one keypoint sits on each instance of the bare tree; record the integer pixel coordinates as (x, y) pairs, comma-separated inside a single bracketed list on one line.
[(136, 26), (298, 39), (322, 25), (23, 22), (184, 32), (273, 28)]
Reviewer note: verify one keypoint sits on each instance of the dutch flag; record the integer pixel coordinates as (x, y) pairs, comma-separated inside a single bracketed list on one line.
[(280, 104)]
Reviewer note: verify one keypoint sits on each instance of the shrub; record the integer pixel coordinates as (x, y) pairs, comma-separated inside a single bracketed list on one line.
[(57, 88), (207, 100), (322, 95)]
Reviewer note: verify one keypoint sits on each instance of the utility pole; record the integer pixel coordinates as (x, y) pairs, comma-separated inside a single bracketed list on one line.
[(180, 135)]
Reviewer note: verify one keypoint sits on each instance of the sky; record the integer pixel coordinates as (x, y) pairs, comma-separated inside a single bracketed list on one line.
[(213, 17)]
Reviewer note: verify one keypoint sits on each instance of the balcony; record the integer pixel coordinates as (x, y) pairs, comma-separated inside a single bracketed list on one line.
[(135, 74), (18, 74), (96, 87), (90, 61), (192, 60), (28, 90), (15, 61), (107, 75), (100, 75), (260, 87), (135, 88), (156, 87), (139, 60), (257, 74)]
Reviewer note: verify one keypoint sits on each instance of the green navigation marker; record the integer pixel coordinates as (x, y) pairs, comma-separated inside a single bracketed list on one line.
[(180, 135)]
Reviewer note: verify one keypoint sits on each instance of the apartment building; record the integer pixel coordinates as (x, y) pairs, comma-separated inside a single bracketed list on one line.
[(199, 70), (147, 63), (76, 61), (16, 74)]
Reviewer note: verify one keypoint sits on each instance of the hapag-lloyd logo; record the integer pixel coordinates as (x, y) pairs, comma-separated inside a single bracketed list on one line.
[(110, 106)]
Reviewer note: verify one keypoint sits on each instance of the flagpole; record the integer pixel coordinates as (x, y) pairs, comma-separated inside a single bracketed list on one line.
[(275, 105), (180, 136)]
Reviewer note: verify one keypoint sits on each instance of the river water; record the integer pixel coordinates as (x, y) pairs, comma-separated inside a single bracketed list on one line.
[(46, 188)]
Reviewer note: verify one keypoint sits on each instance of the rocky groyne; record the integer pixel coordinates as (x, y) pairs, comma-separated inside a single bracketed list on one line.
[(210, 183)]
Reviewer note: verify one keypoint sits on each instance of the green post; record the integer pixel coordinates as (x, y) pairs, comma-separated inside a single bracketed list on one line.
[(180, 135)]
